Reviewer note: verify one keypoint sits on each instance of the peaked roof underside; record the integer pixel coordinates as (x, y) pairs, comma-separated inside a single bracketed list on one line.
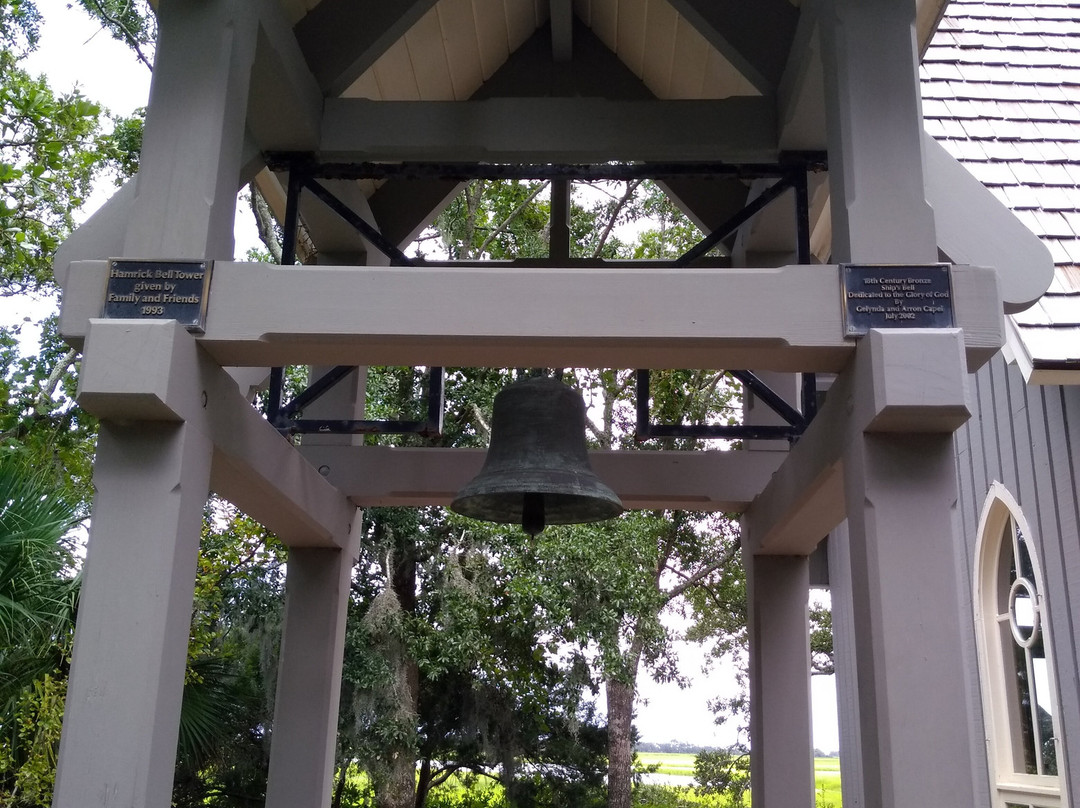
[(1001, 92), (457, 45)]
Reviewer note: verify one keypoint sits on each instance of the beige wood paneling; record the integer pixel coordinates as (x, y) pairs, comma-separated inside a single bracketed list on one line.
[(394, 74), (688, 64), (632, 34), (721, 79), (459, 44), (462, 49), (491, 34), (364, 87), (520, 22), (428, 58), (605, 22), (660, 22)]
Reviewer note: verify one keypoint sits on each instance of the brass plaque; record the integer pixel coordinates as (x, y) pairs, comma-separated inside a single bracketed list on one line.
[(158, 290), (896, 296)]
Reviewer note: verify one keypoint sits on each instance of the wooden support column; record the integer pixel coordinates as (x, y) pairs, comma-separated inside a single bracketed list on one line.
[(309, 677), (777, 592), (153, 473), (908, 626), (127, 674), (846, 663), (192, 154), (313, 637), (906, 680), (874, 126), (781, 743)]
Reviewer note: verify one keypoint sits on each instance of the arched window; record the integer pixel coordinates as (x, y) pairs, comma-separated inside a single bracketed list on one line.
[(1016, 666)]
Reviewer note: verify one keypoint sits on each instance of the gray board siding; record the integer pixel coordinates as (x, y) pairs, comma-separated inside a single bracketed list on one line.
[(1020, 436)]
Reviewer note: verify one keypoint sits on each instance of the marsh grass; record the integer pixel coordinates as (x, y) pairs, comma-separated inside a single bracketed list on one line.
[(481, 792)]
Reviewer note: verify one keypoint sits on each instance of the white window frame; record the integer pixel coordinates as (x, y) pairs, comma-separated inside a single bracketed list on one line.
[(1010, 786)]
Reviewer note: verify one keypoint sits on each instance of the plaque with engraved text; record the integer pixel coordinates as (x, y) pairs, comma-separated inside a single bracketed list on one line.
[(896, 296), (158, 290)]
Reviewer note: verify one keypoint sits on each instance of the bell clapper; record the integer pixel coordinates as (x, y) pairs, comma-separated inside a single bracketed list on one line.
[(532, 513)]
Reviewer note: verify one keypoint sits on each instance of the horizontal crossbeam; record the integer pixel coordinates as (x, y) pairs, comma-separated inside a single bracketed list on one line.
[(382, 476), (785, 319), (558, 130)]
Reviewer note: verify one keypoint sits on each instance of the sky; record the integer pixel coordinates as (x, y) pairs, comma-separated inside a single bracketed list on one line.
[(75, 52)]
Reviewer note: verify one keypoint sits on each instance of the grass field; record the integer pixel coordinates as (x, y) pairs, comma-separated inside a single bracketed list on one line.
[(826, 773)]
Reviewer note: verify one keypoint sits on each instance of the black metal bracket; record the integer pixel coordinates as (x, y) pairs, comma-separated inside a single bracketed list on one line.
[(796, 422), (285, 418)]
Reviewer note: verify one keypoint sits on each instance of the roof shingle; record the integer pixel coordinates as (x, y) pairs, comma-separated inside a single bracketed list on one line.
[(1001, 92)]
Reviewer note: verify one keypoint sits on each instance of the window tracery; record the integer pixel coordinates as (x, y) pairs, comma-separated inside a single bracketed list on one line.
[(1016, 665)]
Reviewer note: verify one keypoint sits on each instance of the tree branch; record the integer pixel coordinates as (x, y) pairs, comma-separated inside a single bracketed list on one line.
[(631, 187), (264, 222), (131, 39), (513, 215), (55, 376)]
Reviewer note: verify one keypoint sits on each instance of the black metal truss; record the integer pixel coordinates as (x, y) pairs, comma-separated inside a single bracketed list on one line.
[(304, 171), (308, 165), (796, 421), (288, 418)]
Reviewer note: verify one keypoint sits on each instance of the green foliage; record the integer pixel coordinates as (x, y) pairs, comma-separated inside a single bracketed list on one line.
[(506, 220), (39, 422), (724, 772), (223, 751), (37, 606), (821, 639), (28, 751), (51, 147), (132, 22)]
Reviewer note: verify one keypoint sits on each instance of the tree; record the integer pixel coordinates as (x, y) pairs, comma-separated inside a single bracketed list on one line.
[(626, 573), (446, 666), (38, 595), (51, 148)]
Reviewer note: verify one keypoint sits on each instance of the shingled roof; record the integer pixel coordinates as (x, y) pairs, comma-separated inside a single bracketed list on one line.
[(1001, 92)]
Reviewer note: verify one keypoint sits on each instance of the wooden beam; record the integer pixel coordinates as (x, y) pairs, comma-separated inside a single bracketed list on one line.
[(755, 37), (786, 319), (550, 130), (193, 144), (155, 371), (900, 381), (381, 476), (592, 72), (404, 207), (974, 226), (562, 30), (342, 38), (801, 91), (707, 201), (285, 100)]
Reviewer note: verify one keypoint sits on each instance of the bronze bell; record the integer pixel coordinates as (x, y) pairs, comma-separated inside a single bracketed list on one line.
[(537, 470)]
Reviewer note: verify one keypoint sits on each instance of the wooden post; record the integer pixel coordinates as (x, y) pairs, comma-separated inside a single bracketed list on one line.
[(122, 716), (781, 743)]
